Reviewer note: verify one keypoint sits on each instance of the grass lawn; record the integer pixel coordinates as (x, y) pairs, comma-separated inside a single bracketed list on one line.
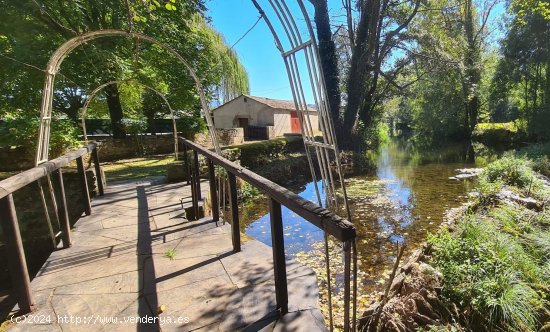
[(137, 167), (134, 168)]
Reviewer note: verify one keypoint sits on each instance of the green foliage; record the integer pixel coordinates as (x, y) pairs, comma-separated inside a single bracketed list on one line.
[(449, 95), (134, 126), (24, 132), (512, 171), (491, 271), (377, 134), (189, 126), (540, 155), (178, 23), (170, 254), (497, 261), (500, 134), (261, 153), (488, 191), (521, 86), (434, 110), (249, 192)]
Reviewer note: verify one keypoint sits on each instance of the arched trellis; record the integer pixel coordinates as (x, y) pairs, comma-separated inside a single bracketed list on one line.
[(91, 96), (61, 53)]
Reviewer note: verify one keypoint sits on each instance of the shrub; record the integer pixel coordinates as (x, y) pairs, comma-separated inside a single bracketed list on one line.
[(490, 271), (190, 125), (511, 171), (134, 126), (261, 153), (249, 192), (498, 134), (540, 155), (24, 132)]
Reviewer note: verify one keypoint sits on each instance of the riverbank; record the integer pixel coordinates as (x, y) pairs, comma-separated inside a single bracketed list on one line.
[(486, 269)]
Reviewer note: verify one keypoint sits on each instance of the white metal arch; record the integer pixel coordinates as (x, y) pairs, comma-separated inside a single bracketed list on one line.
[(92, 95), (61, 53)]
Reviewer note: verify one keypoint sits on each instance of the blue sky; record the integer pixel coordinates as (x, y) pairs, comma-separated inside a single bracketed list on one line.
[(257, 52)]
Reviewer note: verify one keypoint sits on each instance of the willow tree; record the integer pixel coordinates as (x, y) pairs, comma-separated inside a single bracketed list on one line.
[(177, 23), (231, 76)]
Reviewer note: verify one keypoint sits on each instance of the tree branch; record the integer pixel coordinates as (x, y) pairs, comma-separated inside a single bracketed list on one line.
[(403, 25), (485, 19)]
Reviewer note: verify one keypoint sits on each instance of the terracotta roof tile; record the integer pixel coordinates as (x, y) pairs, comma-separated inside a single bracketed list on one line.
[(275, 103)]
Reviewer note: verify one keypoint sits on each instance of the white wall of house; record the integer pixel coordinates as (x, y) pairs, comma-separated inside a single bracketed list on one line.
[(258, 114), (314, 120)]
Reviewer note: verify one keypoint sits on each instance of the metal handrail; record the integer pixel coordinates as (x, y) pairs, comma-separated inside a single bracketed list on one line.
[(10, 225), (326, 220), (18, 181)]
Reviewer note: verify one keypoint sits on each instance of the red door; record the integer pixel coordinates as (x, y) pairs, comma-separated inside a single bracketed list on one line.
[(294, 123)]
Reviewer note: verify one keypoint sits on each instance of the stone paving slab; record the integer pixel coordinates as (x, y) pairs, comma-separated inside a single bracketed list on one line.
[(137, 256)]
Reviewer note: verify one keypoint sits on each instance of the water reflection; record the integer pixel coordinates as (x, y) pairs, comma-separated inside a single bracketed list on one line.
[(401, 203), (405, 199), (299, 235)]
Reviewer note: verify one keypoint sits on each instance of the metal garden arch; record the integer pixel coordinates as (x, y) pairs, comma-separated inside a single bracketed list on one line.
[(91, 96), (61, 53)]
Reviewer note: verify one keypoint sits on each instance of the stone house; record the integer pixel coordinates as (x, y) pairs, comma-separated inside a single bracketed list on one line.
[(262, 118)]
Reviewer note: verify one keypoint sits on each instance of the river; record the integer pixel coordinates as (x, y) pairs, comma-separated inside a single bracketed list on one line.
[(402, 202)]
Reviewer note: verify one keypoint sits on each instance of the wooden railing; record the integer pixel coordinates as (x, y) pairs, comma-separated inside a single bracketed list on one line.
[(324, 219), (10, 225)]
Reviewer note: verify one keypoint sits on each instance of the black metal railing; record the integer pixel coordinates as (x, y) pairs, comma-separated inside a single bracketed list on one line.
[(8, 217), (278, 196)]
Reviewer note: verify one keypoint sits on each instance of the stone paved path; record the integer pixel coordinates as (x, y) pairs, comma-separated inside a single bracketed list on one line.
[(118, 269)]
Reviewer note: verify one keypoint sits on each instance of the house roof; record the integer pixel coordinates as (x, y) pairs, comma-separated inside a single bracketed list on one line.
[(273, 103)]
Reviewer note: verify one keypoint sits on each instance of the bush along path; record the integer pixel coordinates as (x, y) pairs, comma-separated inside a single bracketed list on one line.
[(487, 269)]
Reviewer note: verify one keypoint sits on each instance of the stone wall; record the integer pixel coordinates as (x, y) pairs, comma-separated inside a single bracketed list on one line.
[(20, 158), (115, 149), (15, 159), (229, 136)]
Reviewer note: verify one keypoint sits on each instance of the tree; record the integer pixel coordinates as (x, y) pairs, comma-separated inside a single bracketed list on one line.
[(372, 34), (329, 60), (522, 81), (44, 25), (451, 56)]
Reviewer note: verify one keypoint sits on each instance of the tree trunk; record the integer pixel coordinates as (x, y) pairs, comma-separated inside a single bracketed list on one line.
[(329, 61), (473, 72), (72, 112), (362, 79), (546, 95), (115, 111)]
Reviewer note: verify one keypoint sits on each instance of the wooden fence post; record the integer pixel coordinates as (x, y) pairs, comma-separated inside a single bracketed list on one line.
[(16, 255), (194, 199), (347, 284), (197, 174), (279, 262), (98, 175), (186, 163), (84, 185), (62, 210), (235, 227), (213, 191)]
